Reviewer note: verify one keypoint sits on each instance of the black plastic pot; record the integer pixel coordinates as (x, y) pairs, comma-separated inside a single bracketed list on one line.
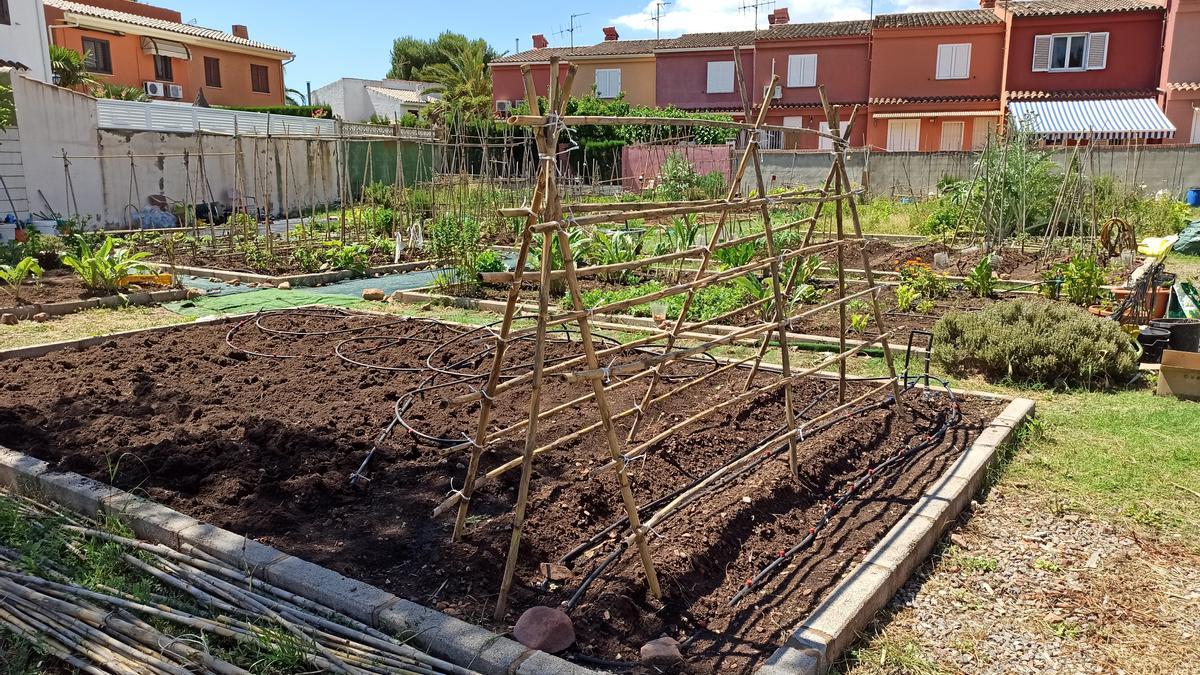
[(1185, 333), (1153, 341)]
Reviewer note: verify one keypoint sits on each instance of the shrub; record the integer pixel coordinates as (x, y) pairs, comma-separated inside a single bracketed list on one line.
[(1035, 341)]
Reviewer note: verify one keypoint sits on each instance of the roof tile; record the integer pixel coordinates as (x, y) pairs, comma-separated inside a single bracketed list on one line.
[(702, 40), (172, 26), (1080, 94), (606, 48), (825, 29), (1065, 7), (957, 17)]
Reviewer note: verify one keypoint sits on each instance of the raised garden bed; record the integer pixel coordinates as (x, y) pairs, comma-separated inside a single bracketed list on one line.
[(265, 446), (61, 292)]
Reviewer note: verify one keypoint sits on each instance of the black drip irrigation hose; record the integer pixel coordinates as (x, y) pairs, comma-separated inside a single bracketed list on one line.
[(768, 453)]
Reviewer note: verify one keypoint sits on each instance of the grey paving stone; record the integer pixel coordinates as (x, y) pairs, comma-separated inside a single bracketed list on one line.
[(353, 598)]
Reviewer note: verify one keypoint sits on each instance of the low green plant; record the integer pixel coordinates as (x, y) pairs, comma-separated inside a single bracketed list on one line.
[(807, 294), (859, 318), (738, 255), (925, 307), (612, 248), (758, 289), (981, 282), (489, 261), (305, 260), (15, 275), (1082, 279), (1036, 341), (104, 268), (807, 268), (906, 298), (920, 276), (354, 258)]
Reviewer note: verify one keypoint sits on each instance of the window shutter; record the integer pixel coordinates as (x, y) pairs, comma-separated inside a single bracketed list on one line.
[(810, 71), (614, 82), (795, 66), (1041, 52), (962, 61), (1097, 51), (720, 77), (945, 61)]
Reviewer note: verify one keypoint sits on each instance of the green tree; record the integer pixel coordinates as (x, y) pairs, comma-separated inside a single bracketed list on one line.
[(412, 57), (463, 85), (70, 68)]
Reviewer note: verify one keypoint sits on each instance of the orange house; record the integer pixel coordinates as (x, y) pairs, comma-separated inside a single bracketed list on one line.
[(936, 80), (138, 45)]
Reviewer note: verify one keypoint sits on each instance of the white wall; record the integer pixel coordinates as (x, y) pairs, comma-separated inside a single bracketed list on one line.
[(26, 40), (349, 99)]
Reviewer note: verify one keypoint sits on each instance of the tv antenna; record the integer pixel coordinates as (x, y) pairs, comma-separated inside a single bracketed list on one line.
[(754, 6), (657, 18), (572, 28)]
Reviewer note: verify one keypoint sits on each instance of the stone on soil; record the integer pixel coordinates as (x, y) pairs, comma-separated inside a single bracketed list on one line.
[(284, 286), (545, 628), (8, 319), (375, 294), (41, 317), (661, 652)]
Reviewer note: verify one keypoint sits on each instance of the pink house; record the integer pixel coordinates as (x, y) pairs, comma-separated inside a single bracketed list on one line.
[(834, 54), (1180, 79), (935, 80), (696, 71)]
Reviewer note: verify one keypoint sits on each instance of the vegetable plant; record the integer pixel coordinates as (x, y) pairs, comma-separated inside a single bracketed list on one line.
[(920, 276), (906, 298), (104, 268), (982, 281), (612, 248), (859, 319), (807, 294), (352, 257), (15, 275), (1082, 278), (737, 255)]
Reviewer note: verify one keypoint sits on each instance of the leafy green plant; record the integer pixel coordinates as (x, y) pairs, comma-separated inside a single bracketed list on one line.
[(859, 319), (757, 289), (906, 298), (807, 294), (925, 307), (612, 248), (921, 278), (490, 261), (8, 108), (1082, 279), (1036, 341), (982, 280), (679, 236), (807, 268), (305, 260), (104, 268), (738, 255), (15, 275), (1051, 282), (354, 258)]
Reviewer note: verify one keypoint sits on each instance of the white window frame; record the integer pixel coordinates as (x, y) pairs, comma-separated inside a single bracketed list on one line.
[(802, 70), (608, 74), (1067, 68), (915, 123), (949, 57), (724, 71), (982, 128), (1196, 125), (962, 136), (822, 142)]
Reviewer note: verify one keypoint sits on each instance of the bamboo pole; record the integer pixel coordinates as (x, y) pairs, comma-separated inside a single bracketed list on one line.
[(600, 120)]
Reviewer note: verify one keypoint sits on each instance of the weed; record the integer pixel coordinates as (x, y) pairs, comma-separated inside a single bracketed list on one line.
[(1045, 565)]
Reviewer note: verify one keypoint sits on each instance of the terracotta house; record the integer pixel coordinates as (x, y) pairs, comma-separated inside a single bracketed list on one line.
[(935, 80), (1179, 86), (610, 68), (138, 45), (834, 54), (1085, 69)]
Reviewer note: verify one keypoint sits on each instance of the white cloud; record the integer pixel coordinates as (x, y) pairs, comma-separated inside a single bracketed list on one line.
[(706, 16), (934, 5)]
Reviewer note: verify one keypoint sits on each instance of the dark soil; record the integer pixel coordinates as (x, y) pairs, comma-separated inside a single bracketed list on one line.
[(55, 286), (886, 256), (265, 446), (280, 265)]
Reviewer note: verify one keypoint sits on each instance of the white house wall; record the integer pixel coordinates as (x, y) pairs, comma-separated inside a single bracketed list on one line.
[(25, 40)]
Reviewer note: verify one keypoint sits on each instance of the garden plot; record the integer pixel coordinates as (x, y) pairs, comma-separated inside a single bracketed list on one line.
[(258, 429)]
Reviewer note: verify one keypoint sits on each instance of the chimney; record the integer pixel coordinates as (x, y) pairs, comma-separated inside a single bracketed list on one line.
[(610, 34), (779, 16), (987, 4), (539, 41), (240, 31)]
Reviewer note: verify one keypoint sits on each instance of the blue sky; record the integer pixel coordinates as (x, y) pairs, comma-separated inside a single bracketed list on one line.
[(353, 38)]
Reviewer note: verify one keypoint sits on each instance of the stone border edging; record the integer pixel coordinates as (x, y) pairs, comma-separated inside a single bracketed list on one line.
[(441, 635), (72, 306), (838, 621)]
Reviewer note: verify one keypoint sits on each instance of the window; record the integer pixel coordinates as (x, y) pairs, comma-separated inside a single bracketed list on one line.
[(608, 82), (824, 143), (96, 56), (954, 61), (212, 71), (952, 136), (720, 77), (259, 81), (5, 18), (982, 130), (1196, 125), (162, 68), (1070, 52), (904, 135), (802, 70)]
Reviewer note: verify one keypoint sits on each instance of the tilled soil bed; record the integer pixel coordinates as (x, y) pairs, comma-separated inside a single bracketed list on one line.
[(54, 287), (264, 445), (280, 265)]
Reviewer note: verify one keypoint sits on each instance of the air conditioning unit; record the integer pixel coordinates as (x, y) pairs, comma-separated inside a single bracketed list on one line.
[(174, 91), (503, 106), (778, 91), (155, 89)]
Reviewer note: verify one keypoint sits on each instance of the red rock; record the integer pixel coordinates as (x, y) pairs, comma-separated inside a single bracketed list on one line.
[(41, 317), (661, 652), (545, 628)]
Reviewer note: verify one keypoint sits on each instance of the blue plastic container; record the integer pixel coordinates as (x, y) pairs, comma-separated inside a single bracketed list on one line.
[(1193, 197)]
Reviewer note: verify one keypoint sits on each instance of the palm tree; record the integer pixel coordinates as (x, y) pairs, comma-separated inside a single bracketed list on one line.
[(295, 97), (462, 85), (70, 68), (119, 92)]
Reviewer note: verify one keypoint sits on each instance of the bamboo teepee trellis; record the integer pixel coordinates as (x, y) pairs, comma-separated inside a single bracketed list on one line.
[(550, 218)]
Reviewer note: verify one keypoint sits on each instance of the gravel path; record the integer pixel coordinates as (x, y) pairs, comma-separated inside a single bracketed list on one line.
[(1031, 587)]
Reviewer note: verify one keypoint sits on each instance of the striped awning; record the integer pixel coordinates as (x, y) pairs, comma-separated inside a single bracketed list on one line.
[(1130, 118)]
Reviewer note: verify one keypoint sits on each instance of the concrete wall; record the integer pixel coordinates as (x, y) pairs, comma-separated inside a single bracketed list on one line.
[(1175, 168), (24, 40), (52, 120)]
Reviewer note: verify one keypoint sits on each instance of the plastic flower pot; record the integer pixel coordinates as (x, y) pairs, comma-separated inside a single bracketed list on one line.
[(1153, 341), (1158, 303)]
